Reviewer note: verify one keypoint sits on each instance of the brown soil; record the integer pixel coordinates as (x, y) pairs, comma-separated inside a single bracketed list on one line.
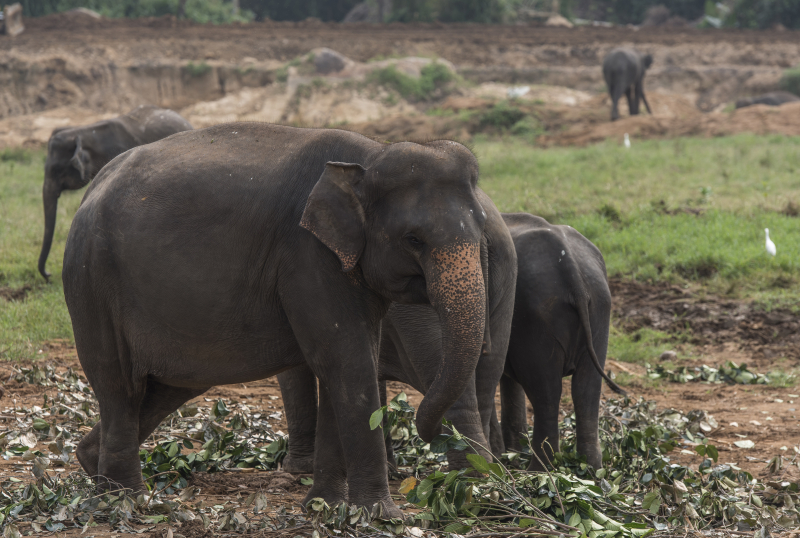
[(73, 69), (14, 294)]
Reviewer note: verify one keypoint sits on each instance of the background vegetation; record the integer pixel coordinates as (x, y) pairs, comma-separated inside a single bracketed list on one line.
[(733, 13)]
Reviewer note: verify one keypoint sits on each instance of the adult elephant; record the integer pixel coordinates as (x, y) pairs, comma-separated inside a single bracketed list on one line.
[(561, 322), (76, 154), (769, 99), (411, 351), (560, 327), (232, 253), (623, 70)]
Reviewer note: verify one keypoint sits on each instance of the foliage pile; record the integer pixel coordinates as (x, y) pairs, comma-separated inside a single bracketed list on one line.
[(730, 373), (435, 82), (639, 491)]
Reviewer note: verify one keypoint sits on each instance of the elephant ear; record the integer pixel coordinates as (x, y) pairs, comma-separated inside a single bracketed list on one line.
[(80, 159), (647, 60), (334, 213)]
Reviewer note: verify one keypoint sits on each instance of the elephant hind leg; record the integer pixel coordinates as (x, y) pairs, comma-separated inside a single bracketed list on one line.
[(586, 388), (633, 101), (157, 403)]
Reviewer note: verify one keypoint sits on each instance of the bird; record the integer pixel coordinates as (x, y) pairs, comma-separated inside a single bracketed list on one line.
[(770, 245), (627, 141)]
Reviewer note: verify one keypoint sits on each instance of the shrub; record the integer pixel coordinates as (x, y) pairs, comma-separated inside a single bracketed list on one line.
[(790, 81), (15, 155), (764, 14), (434, 77), (197, 70), (502, 116)]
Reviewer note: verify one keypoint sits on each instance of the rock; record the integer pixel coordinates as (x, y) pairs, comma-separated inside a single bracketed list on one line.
[(327, 61), (668, 356), (369, 11), (558, 20), (12, 20)]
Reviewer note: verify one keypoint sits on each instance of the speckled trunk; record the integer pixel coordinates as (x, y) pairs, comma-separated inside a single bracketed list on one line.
[(50, 193), (457, 292)]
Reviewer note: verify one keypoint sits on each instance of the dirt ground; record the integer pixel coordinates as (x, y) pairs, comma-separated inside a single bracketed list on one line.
[(72, 69), (721, 330)]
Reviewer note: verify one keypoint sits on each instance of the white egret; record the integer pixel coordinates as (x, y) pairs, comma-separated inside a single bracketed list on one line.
[(627, 141), (770, 245)]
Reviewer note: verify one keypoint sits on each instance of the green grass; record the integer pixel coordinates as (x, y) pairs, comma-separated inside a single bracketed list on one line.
[(43, 315), (689, 211)]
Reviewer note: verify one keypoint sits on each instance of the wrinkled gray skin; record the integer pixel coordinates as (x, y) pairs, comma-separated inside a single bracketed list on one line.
[(561, 322), (623, 70), (411, 352), (560, 327), (76, 154), (229, 254), (771, 99)]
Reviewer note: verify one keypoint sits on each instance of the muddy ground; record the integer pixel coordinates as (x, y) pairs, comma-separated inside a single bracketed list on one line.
[(721, 330)]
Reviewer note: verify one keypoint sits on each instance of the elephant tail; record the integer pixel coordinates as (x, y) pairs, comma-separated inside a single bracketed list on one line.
[(582, 305)]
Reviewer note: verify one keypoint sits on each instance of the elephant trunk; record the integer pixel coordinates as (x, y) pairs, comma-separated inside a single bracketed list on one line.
[(50, 193), (456, 289)]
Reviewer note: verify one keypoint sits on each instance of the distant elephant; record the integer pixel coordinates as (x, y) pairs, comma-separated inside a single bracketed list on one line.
[(76, 154), (623, 70), (560, 327), (411, 352), (561, 322), (232, 253), (771, 99)]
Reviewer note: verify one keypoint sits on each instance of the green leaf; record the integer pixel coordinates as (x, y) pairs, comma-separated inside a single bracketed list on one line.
[(377, 418), (479, 463), (424, 489)]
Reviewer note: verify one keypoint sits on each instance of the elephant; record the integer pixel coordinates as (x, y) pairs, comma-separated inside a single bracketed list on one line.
[(76, 154), (623, 71), (560, 327), (561, 323), (411, 352), (771, 99), (231, 253)]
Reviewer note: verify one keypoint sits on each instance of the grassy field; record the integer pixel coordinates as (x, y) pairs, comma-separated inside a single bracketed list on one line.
[(688, 210)]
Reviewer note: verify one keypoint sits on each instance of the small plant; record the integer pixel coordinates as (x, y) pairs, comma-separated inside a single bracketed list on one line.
[(15, 155), (432, 82), (502, 116), (197, 70), (610, 213), (790, 81)]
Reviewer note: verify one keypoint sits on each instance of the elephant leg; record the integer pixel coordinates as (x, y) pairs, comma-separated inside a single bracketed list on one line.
[(330, 468), (299, 391), (633, 103), (159, 401), (640, 95), (616, 94), (467, 420), (586, 387), (387, 438), (496, 442), (514, 414)]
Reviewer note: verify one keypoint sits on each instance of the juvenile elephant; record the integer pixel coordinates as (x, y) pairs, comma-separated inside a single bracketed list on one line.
[(771, 99), (623, 70), (232, 253), (411, 352), (561, 321), (560, 327), (76, 154)]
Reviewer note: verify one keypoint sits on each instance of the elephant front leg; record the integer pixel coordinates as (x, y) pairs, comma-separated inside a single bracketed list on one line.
[(514, 414), (330, 468), (299, 392), (467, 420)]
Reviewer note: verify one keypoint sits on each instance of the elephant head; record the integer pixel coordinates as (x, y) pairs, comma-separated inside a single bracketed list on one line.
[(69, 166), (410, 221)]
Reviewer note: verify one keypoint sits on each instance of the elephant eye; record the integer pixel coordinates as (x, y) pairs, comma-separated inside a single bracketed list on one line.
[(414, 240)]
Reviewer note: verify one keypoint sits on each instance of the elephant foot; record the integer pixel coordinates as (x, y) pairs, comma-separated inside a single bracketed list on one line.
[(88, 454), (332, 493), (298, 464)]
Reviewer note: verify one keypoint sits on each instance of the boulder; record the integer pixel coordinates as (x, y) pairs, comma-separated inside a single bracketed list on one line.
[(12, 20)]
